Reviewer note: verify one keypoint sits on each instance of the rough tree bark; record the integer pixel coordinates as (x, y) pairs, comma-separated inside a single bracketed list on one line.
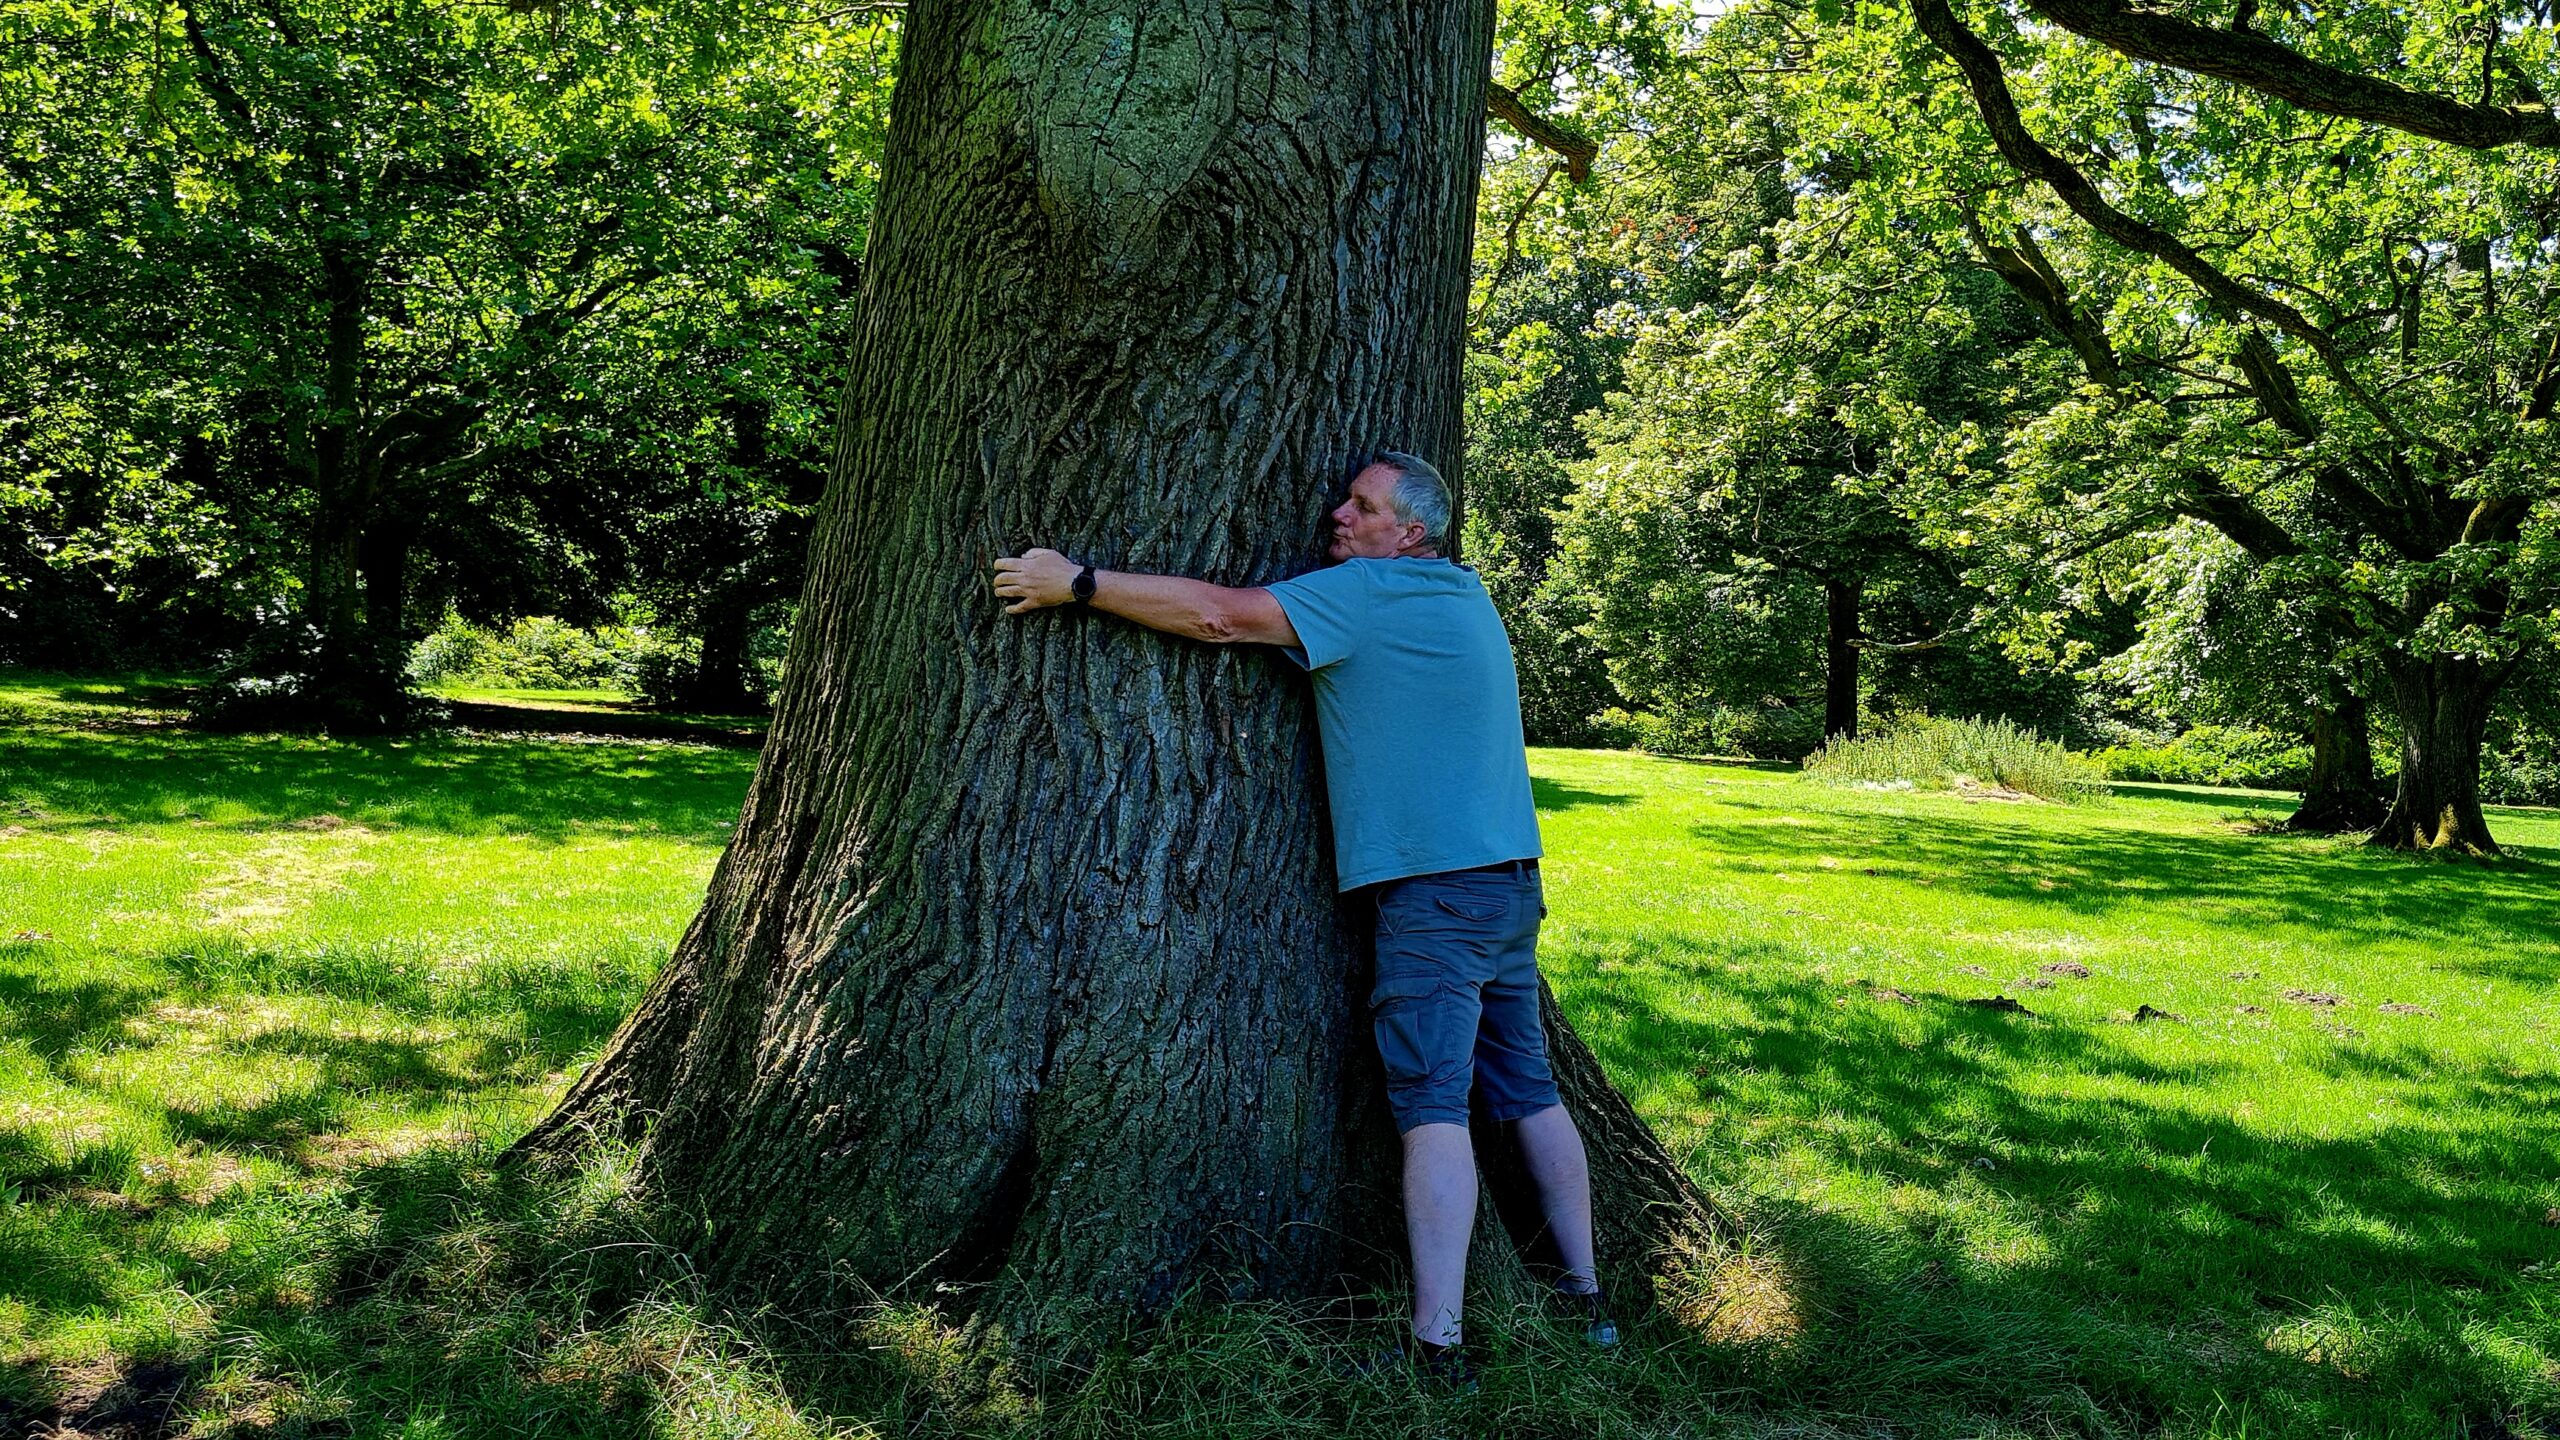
[(2443, 707), (2340, 794), (1024, 966)]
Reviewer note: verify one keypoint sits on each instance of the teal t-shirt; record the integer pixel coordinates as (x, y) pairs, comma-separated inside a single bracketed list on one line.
[(1419, 709)]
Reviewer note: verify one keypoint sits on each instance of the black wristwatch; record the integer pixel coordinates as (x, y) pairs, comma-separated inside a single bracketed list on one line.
[(1082, 589)]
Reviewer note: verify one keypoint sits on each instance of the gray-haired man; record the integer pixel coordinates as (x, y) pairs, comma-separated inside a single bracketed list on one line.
[(1418, 705)]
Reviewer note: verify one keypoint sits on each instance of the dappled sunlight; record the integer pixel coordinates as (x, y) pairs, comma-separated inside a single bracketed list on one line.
[(281, 1127), (2000, 1205)]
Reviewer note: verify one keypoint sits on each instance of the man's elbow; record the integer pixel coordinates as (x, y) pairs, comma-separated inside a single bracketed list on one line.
[(1217, 624)]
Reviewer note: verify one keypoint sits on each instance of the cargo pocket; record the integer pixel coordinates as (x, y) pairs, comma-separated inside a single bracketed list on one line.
[(1403, 1009)]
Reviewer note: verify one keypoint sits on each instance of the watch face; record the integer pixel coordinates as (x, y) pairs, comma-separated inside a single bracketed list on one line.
[(1083, 586)]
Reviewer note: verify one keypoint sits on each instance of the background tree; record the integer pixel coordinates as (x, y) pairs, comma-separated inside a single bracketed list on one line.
[(1722, 520), (357, 254), (1593, 224), (2327, 341), (2223, 642)]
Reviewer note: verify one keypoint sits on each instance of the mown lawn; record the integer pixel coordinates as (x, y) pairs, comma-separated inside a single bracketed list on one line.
[(268, 1005)]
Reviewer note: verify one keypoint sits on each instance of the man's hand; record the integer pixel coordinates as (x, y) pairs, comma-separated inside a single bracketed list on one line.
[(1036, 581)]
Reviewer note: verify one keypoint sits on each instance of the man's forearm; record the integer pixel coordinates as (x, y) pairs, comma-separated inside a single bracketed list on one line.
[(1041, 578), (1194, 609)]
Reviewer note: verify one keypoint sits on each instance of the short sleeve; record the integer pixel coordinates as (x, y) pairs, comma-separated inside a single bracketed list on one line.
[(1329, 610)]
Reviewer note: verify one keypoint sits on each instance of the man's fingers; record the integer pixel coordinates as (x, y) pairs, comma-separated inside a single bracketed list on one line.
[(1015, 581)]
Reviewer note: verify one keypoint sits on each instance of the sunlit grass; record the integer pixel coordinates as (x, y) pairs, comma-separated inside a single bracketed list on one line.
[(2345, 1123), (268, 1006), (588, 698)]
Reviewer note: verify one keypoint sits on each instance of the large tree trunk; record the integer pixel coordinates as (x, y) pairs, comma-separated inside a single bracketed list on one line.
[(1024, 966), (2443, 707), (2340, 794), (1840, 658)]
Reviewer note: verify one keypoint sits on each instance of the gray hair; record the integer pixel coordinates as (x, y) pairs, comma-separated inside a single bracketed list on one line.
[(1420, 494)]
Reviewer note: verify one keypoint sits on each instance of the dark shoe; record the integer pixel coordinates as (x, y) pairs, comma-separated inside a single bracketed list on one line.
[(1447, 1366), (1585, 1307)]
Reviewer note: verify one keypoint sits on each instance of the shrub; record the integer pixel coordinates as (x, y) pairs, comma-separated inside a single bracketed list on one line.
[(537, 652), (2213, 755), (457, 650), (2526, 772), (657, 666), (1768, 733), (1933, 753)]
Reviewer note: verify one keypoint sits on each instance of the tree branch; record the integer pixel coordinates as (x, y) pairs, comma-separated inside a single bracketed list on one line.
[(2241, 522), (216, 84), (2033, 276), (1511, 245), (2245, 57), (2024, 266), (1910, 647), (1504, 104), (2029, 157)]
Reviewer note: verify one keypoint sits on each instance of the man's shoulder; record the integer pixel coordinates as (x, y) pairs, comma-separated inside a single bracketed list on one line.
[(1422, 574), (1343, 577)]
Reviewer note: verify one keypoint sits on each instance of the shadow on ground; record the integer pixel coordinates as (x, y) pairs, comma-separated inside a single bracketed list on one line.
[(2318, 884), (2151, 1261), (66, 780)]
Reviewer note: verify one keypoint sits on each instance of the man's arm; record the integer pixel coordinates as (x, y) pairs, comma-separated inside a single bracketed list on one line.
[(1194, 609)]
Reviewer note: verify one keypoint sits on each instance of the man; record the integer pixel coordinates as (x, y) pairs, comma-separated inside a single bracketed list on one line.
[(1418, 706)]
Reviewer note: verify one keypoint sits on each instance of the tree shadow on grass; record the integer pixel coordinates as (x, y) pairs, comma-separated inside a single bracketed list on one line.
[(2341, 891), (55, 1017), (517, 1024), (1556, 795), (2219, 797), (49, 1260), (613, 720), (2135, 1246), (66, 780)]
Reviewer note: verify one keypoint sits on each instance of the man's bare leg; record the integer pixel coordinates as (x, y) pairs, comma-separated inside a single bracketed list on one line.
[(1552, 1149), (1439, 1217)]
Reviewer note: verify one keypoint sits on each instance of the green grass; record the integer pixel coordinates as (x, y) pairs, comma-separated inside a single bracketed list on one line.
[(269, 1005), (600, 698)]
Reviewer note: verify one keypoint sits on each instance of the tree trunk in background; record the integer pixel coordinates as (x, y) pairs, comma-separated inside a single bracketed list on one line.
[(2443, 708), (1840, 659), (1024, 966), (352, 675), (2341, 794), (346, 684), (384, 559), (726, 620)]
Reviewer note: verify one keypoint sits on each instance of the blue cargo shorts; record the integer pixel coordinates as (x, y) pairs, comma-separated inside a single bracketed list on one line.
[(1456, 1000)]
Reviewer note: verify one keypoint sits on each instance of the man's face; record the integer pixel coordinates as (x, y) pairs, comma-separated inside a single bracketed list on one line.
[(1365, 526)]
